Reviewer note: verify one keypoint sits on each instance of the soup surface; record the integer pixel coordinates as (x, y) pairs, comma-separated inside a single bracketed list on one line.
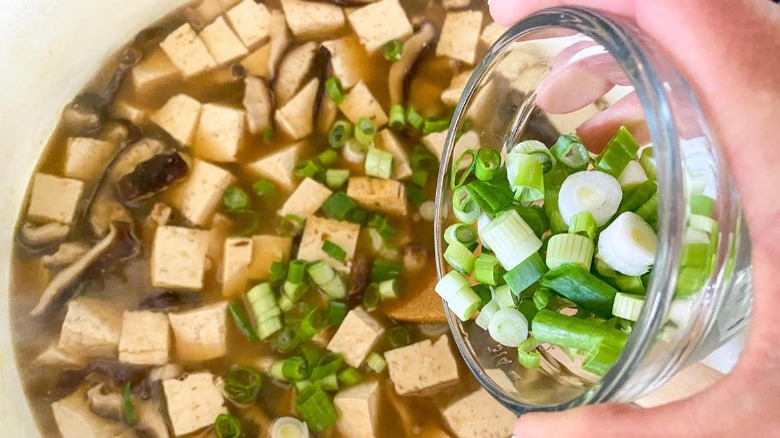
[(243, 193)]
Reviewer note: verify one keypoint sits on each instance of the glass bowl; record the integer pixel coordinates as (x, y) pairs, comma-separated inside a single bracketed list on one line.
[(499, 104)]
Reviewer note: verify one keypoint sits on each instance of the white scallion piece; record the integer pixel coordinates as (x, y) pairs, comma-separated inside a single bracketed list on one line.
[(628, 245), (456, 290), (565, 248), (289, 427), (427, 210), (354, 152), (510, 238), (486, 314), (632, 176), (590, 190), (508, 327), (482, 222), (627, 306)]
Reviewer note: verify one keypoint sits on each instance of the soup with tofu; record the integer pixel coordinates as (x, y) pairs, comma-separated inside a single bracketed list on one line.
[(230, 232)]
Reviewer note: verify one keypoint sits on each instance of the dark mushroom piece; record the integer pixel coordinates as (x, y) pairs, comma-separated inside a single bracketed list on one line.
[(66, 254), (119, 373), (359, 277), (118, 245), (84, 115), (108, 404), (170, 300), (322, 70), (38, 237), (120, 132), (398, 78), (152, 176)]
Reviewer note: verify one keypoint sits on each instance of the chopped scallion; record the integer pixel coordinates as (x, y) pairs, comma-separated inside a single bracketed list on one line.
[(570, 152), (504, 297), (312, 323), (419, 177), (376, 362), (581, 287), (242, 321), (242, 385), (337, 311), (293, 368), (525, 274), (316, 409), (349, 376), (436, 124), (287, 339), (393, 50), (508, 327), (397, 118), (399, 336), (488, 163), (263, 188), (336, 178), (228, 426), (621, 149), (526, 177), (379, 163), (510, 238), (388, 289), (327, 157), (334, 89), (129, 414), (365, 130), (527, 354), (291, 225), (460, 258), (414, 118), (327, 279), (568, 248), (339, 134), (334, 251), (465, 206), (383, 270), (308, 169), (339, 205), (235, 198)]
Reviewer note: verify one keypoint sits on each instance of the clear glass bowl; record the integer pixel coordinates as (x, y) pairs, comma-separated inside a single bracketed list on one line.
[(499, 106)]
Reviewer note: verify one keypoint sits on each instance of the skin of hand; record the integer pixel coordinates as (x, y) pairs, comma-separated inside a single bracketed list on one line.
[(730, 52)]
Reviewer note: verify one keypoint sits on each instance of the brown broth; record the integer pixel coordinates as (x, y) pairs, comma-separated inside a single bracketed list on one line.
[(124, 287)]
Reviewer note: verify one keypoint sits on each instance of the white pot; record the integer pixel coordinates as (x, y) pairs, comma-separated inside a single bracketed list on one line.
[(48, 51)]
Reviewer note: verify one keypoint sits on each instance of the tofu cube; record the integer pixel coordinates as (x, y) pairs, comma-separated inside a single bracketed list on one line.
[(153, 71), (435, 143), (306, 199), (387, 141), (221, 226), (86, 158), (178, 258), (385, 195), (277, 167), (293, 70), (460, 36), (125, 110), (75, 419), (266, 250), (423, 368), (491, 33), (359, 102), (296, 117), (145, 338), (222, 43), (179, 117), (54, 199), (235, 265), (318, 230), (258, 63), (358, 407), (187, 51), (455, 4), (91, 329), (193, 401), (380, 22), (198, 197), (347, 57), (451, 95), (258, 104), (311, 20), (251, 21), (356, 336), (53, 356), (220, 133), (479, 415), (200, 334), (205, 11)]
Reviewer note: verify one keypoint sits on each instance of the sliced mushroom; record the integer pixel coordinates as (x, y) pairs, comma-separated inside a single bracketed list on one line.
[(152, 176), (398, 79), (258, 104), (109, 404), (119, 373), (120, 132), (280, 39), (415, 258), (322, 69), (104, 210), (35, 237), (133, 155), (118, 245), (66, 254), (294, 69), (171, 300), (84, 115), (359, 278), (150, 419), (105, 403), (165, 372)]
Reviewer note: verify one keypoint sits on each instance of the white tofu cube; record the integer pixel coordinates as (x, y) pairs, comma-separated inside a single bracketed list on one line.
[(187, 51), (479, 415), (205, 11), (125, 110), (435, 143), (221, 226), (356, 336), (358, 407), (54, 199), (193, 401), (178, 258), (311, 20), (258, 62), (460, 36), (222, 43), (75, 419), (455, 4), (266, 250), (91, 329), (306, 199), (86, 158), (277, 167), (251, 22), (145, 338), (491, 33), (385, 195), (198, 197), (423, 368), (153, 71), (220, 133), (380, 22), (235, 265), (359, 102), (318, 230), (200, 334), (452, 94), (387, 141), (347, 57), (53, 356), (293, 70), (296, 117), (258, 104), (179, 117)]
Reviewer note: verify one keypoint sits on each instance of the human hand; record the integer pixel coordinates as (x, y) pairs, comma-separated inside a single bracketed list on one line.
[(730, 52)]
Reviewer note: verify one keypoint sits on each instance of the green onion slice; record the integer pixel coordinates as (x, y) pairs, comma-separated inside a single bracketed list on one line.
[(227, 426), (365, 130), (242, 321), (235, 198), (316, 409), (334, 89), (455, 181), (129, 414), (339, 134), (242, 385), (393, 50), (397, 118), (488, 163)]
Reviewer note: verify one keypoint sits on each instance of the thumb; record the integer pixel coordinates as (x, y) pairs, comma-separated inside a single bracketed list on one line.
[(607, 421)]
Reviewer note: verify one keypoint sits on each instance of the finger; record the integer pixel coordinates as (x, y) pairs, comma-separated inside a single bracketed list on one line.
[(599, 129), (509, 12)]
